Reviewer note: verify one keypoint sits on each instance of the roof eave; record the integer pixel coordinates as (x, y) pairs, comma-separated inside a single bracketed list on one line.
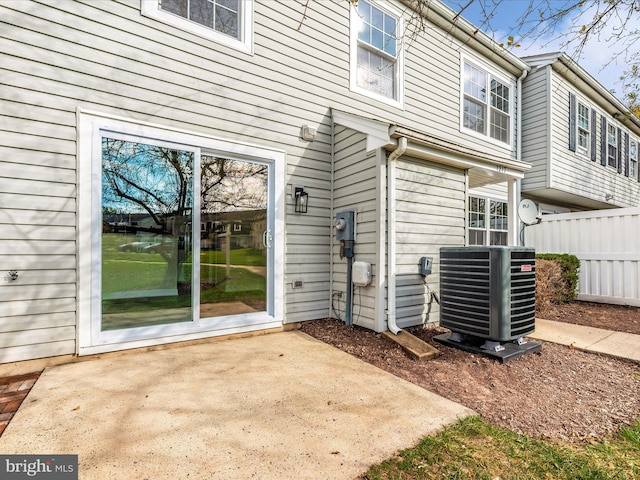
[(460, 28)]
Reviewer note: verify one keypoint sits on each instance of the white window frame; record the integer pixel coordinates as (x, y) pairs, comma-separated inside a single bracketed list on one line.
[(355, 23), (633, 159), (612, 145), (487, 229), (91, 127), (579, 148), (490, 74), (151, 8)]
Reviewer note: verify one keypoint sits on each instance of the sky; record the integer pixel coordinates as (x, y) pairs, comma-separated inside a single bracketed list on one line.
[(597, 58)]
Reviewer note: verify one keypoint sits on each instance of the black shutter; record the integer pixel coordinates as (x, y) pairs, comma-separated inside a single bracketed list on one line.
[(619, 153), (626, 154), (594, 130), (572, 122), (603, 140)]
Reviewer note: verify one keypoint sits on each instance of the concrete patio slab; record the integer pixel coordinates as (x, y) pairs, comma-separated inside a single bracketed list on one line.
[(278, 406)]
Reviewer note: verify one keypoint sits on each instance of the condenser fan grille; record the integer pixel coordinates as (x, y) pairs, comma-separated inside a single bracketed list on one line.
[(488, 292)]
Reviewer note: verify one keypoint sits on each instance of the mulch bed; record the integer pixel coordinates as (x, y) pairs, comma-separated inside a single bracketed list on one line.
[(559, 393)]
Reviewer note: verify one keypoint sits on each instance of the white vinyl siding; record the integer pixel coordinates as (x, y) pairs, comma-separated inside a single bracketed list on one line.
[(57, 58), (358, 188), (559, 175), (430, 209), (38, 241), (536, 117)]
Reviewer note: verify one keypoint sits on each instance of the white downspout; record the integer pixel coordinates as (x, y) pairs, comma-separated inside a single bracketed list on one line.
[(518, 192), (391, 234)]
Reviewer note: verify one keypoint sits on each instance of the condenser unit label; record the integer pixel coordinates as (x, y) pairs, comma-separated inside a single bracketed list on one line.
[(526, 268)]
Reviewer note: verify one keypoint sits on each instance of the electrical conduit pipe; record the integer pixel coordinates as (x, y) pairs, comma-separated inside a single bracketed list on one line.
[(391, 234)]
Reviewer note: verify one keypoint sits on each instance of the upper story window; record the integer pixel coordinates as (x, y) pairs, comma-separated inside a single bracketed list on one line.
[(495, 231), (633, 158), (486, 104), (584, 130), (225, 21), (376, 52), (612, 145)]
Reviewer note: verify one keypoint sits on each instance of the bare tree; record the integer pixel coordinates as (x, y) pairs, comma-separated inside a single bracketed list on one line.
[(157, 181), (230, 185), (573, 25)]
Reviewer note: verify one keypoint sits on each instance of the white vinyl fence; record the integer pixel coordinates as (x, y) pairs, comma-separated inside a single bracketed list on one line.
[(607, 242)]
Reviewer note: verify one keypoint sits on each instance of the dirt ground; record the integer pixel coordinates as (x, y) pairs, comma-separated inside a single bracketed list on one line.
[(557, 393)]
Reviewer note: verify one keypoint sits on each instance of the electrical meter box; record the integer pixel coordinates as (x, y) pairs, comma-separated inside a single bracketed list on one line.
[(345, 226)]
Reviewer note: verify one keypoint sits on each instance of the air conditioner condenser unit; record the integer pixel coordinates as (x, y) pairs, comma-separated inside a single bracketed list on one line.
[(487, 293)]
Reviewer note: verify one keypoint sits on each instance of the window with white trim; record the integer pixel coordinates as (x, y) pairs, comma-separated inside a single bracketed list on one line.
[(376, 52), (225, 21), (633, 158), (488, 221), (583, 123), (612, 145), (486, 103)]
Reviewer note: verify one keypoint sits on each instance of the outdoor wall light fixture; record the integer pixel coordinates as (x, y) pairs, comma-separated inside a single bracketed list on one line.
[(608, 197), (302, 199), (308, 133)]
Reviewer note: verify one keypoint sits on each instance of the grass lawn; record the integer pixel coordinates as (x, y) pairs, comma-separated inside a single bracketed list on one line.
[(140, 271), (476, 449)]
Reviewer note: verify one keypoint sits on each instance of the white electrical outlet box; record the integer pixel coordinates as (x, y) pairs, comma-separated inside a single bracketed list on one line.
[(361, 274)]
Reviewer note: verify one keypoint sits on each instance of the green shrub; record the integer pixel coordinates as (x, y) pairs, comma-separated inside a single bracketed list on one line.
[(566, 289)]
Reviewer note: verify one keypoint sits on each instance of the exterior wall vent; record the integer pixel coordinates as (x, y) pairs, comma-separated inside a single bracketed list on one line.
[(488, 292)]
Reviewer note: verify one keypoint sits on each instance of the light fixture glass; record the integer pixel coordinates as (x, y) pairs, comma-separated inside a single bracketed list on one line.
[(302, 200)]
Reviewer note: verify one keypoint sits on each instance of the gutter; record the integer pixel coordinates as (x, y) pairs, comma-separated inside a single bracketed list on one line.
[(460, 28), (391, 234)]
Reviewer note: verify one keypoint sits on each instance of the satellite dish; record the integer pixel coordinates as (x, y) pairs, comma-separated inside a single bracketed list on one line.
[(528, 212)]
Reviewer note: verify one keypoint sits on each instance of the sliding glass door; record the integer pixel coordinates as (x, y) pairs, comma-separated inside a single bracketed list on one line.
[(184, 241)]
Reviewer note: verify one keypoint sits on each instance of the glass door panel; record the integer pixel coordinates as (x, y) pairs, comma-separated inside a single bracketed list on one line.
[(146, 254), (234, 236)]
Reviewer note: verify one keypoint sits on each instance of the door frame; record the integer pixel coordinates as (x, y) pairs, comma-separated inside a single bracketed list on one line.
[(89, 167)]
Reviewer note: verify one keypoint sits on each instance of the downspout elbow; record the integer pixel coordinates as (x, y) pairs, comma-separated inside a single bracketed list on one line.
[(399, 151), (391, 232)]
